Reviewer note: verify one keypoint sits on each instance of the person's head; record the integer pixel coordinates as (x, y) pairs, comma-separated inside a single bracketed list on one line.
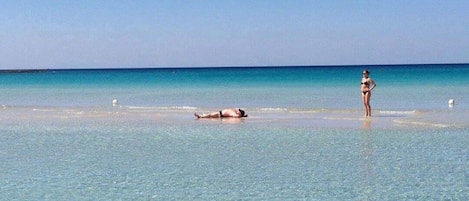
[(243, 114), (366, 73)]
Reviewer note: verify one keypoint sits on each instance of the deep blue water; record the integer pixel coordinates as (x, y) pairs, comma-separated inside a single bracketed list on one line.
[(448, 74)]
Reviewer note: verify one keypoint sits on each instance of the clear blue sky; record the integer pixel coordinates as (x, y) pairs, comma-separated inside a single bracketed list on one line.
[(200, 33)]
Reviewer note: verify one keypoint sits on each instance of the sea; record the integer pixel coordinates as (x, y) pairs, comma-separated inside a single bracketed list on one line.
[(131, 134)]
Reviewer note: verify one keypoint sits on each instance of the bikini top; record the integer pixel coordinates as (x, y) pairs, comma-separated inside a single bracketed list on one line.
[(367, 81)]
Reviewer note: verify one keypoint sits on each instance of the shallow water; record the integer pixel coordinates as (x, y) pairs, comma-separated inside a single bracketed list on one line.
[(305, 137), (134, 155)]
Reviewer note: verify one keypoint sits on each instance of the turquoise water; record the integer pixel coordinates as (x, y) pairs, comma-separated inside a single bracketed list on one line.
[(400, 87), (305, 138)]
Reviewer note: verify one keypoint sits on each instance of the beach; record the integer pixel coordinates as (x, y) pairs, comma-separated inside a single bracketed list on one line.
[(305, 137)]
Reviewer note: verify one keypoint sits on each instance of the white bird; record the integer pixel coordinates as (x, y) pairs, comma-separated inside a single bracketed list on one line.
[(451, 102), (115, 102)]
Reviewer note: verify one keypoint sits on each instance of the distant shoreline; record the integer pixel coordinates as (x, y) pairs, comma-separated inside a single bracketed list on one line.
[(23, 70)]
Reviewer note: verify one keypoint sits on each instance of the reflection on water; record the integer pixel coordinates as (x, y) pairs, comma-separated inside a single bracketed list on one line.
[(367, 123), (227, 120)]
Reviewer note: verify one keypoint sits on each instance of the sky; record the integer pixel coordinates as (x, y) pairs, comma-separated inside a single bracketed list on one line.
[(219, 33)]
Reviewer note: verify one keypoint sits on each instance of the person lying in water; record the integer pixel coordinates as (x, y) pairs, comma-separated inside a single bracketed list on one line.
[(231, 112)]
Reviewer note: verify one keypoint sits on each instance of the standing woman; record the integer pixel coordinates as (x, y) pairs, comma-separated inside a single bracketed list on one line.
[(367, 85)]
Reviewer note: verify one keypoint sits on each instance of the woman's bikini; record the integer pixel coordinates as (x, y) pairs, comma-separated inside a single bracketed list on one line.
[(240, 111), (366, 84)]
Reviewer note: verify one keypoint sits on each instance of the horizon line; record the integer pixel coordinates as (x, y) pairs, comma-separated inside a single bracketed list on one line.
[(215, 67)]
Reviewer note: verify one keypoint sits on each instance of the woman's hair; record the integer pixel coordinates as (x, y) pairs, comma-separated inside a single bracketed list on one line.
[(243, 114), (366, 71)]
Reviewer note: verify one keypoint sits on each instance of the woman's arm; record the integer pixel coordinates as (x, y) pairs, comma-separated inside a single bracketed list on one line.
[(372, 84)]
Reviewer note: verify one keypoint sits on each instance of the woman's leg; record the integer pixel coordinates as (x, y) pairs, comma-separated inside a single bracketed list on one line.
[(368, 106), (208, 115), (365, 104)]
